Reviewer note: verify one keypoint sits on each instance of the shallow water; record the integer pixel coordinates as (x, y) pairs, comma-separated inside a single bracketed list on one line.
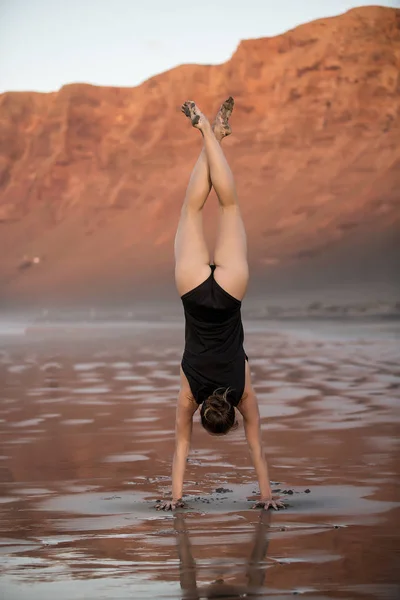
[(86, 441)]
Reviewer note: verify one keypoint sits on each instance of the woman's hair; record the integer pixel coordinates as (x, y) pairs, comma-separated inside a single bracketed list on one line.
[(217, 414)]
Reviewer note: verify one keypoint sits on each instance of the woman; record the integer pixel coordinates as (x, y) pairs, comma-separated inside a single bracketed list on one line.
[(214, 372)]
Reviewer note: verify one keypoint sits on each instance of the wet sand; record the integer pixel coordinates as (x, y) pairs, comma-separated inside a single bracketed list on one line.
[(86, 442)]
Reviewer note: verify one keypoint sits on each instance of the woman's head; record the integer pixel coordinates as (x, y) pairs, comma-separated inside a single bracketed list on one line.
[(217, 413)]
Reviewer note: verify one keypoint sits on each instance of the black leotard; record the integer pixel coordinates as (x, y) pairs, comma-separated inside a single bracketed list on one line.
[(214, 356)]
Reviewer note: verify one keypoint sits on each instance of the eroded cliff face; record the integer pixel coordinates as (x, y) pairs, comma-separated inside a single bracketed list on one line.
[(92, 178)]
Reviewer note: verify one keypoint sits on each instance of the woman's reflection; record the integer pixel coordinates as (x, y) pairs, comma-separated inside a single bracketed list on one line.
[(255, 568)]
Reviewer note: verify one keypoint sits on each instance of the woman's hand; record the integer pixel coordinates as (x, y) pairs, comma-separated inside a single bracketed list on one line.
[(170, 504), (271, 502)]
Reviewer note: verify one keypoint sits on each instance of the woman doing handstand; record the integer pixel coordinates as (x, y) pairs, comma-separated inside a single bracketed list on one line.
[(215, 374)]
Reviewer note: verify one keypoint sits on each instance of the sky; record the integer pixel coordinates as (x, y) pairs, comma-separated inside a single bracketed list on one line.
[(45, 44)]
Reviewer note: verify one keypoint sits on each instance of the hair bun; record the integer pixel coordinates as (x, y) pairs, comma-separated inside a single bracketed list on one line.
[(217, 403), (217, 413)]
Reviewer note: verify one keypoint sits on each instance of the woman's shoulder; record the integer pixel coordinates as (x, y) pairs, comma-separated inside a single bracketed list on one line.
[(185, 396)]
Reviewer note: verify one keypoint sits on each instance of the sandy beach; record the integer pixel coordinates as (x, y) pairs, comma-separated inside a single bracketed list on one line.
[(86, 443)]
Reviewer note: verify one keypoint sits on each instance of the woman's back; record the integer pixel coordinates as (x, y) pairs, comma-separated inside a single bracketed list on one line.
[(214, 356)]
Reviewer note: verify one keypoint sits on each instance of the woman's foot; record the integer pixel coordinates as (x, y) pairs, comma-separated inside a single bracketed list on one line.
[(221, 125), (190, 109)]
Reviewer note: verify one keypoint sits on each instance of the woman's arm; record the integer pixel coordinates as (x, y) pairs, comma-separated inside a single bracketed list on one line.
[(183, 433), (251, 419), (185, 410)]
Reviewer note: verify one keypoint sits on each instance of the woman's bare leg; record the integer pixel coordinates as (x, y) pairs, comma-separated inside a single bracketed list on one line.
[(192, 258), (231, 249)]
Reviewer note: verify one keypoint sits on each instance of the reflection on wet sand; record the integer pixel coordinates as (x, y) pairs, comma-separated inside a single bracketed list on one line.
[(255, 567), (86, 441)]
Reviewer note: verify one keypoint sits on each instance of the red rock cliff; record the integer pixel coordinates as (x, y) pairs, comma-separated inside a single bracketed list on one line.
[(92, 178)]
